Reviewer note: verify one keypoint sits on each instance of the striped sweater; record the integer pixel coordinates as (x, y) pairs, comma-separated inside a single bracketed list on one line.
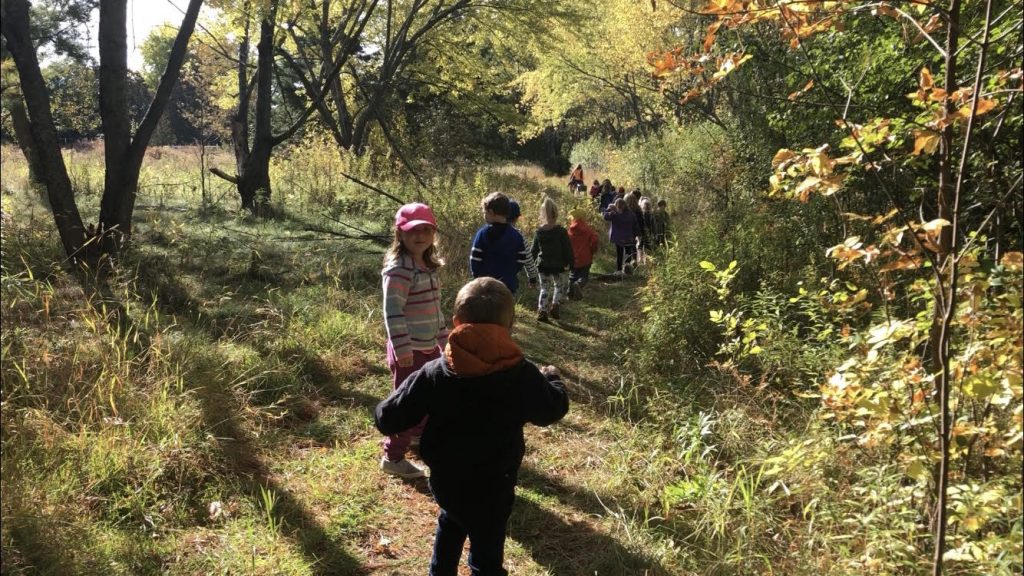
[(412, 308)]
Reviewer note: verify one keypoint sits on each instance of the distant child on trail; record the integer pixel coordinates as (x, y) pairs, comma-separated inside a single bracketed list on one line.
[(646, 228), (633, 205), (499, 250), (576, 183), (607, 196), (553, 252), (412, 316), (661, 224), (478, 399), (595, 191), (622, 232), (584, 246)]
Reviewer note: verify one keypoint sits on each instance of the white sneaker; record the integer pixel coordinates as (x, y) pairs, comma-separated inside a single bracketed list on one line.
[(403, 468)]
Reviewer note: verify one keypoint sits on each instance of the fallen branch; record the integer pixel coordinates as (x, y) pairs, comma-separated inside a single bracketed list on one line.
[(371, 187), (376, 238), (225, 175)]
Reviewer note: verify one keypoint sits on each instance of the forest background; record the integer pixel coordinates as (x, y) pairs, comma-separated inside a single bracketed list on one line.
[(826, 376)]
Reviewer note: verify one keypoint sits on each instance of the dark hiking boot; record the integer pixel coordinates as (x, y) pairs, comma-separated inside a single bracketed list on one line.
[(554, 311), (542, 316), (576, 291)]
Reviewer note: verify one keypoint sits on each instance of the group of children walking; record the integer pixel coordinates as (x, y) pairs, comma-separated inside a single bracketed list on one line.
[(636, 226), (557, 259), (465, 395)]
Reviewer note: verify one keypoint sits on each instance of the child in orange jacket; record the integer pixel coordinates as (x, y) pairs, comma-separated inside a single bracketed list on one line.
[(584, 245)]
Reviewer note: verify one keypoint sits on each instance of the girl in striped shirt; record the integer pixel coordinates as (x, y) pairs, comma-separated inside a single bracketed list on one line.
[(412, 315)]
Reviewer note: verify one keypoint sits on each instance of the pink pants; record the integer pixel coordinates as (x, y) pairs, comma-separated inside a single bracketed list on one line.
[(397, 445)]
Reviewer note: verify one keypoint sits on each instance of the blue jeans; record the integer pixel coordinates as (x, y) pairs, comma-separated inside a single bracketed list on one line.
[(477, 513), (580, 275)]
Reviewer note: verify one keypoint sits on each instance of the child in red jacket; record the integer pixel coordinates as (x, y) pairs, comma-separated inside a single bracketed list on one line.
[(584, 246)]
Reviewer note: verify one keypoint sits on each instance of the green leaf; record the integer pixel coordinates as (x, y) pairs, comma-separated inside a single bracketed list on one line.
[(918, 471), (707, 265)]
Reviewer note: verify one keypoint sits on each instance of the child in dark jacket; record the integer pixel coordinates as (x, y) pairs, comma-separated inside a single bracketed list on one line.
[(552, 251), (479, 396), (499, 250)]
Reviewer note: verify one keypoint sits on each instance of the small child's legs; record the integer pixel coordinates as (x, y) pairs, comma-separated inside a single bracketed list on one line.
[(620, 257), (397, 445), (580, 275), (578, 278), (629, 260), (553, 288), (478, 514)]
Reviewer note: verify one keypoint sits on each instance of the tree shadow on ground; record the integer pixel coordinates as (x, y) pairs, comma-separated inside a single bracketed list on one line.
[(298, 522), (568, 495), (571, 548)]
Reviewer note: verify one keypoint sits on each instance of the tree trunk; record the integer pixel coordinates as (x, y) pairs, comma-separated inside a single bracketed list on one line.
[(945, 293), (15, 28), (253, 164), (23, 133), (254, 182), (123, 152)]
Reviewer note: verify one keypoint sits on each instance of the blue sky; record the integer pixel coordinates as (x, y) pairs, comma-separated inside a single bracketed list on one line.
[(143, 16)]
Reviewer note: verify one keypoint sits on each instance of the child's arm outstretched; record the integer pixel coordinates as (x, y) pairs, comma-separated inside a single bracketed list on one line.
[(546, 398), (528, 261), (405, 407)]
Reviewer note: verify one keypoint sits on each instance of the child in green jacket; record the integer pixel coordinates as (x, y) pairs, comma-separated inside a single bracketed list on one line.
[(552, 251)]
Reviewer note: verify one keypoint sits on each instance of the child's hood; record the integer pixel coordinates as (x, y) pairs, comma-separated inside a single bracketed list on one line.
[(479, 349), (579, 226)]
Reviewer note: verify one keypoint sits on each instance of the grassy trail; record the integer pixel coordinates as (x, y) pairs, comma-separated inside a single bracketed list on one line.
[(560, 524)]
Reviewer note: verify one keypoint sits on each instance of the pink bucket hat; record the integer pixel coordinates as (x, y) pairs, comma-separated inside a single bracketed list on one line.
[(412, 215)]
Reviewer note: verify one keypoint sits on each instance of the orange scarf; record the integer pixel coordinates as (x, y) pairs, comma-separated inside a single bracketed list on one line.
[(479, 349)]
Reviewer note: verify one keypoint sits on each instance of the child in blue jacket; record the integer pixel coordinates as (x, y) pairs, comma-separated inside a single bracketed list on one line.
[(499, 250), (478, 397)]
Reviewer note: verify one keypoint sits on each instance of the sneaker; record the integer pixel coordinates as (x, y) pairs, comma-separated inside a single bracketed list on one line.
[(542, 316), (554, 311), (576, 291), (403, 468)]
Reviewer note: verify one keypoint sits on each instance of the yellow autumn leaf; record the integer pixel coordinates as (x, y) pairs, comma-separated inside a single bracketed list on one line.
[(1013, 260), (934, 225), (805, 187), (925, 141), (972, 523), (984, 105), (821, 164), (782, 155), (926, 78)]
